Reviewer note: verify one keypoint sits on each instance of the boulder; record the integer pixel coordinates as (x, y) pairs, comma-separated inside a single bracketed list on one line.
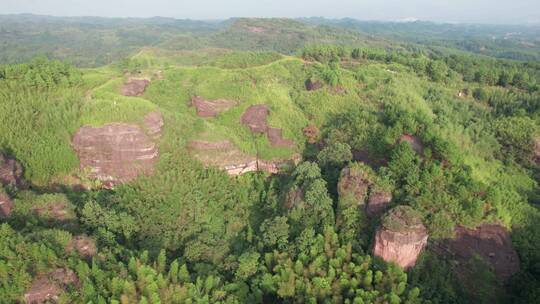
[(11, 172), (491, 243), (83, 245), (118, 153), (134, 87), (255, 118), (414, 141), (378, 202), (47, 288), (401, 237), (6, 205)]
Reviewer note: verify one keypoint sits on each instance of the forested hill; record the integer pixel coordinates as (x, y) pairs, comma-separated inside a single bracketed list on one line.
[(262, 161), (520, 42)]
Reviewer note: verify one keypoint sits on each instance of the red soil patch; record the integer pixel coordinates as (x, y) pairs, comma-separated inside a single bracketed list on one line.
[(414, 141), (47, 288), (491, 243), (255, 118), (83, 245), (276, 138), (135, 87), (211, 108)]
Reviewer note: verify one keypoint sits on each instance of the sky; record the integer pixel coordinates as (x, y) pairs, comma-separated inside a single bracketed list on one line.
[(470, 11)]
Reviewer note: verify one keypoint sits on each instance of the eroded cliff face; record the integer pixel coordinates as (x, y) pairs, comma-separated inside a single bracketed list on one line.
[(378, 202), (489, 242), (118, 153), (401, 237), (226, 156)]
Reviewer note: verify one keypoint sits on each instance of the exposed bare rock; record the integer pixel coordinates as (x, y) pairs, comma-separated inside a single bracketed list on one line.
[(117, 153), (537, 150), (294, 197), (255, 118), (276, 139), (378, 202), (154, 124), (6, 205), (224, 155), (47, 288), (353, 185), (57, 211), (491, 243), (211, 108), (256, 29), (313, 85), (401, 237), (414, 141), (11, 172), (83, 245), (135, 87)]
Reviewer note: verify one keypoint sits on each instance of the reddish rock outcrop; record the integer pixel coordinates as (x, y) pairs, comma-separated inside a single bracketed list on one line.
[(255, 118), (83, 245), (6, 205), (353, 185), (135, 87), (211, 108), (153, 123), (401, 237), (224, 155), (11, 172), (378, 202), (57, 211), (47, 288), (414, 141), (118, 152), (491, 243)]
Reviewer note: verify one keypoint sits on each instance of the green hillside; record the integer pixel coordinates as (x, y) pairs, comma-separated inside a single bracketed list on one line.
[(190, 233)]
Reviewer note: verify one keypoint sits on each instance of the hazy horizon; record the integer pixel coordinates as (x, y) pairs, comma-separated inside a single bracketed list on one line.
[(442, 11)]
